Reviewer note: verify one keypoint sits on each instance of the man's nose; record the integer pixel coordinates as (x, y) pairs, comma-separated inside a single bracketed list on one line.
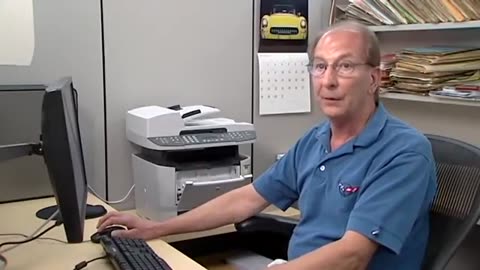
[(330, 77)]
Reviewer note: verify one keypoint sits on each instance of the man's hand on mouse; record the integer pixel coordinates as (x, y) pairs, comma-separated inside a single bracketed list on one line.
[(137, 227)]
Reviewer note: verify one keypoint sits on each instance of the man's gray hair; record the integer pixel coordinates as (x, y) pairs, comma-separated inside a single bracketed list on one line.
[(373, 55), (373, 48)]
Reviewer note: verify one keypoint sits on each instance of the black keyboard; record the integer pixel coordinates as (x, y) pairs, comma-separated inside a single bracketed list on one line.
[(132, 254)]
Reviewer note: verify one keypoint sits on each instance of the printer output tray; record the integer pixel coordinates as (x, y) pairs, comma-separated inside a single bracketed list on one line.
[(197, 193)]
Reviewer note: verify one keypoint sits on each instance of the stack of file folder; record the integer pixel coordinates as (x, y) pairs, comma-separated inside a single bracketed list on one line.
[(461, 92), (386, 65), (394, 12), (420, 70)]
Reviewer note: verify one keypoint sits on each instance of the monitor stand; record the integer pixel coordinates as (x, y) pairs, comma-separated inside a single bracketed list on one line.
[(92, 211)]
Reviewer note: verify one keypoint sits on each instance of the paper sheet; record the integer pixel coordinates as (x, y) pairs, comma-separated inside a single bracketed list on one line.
[(284, 83), (17, 39)]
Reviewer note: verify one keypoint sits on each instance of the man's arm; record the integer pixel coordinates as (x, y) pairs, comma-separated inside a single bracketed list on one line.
[(352, 252), (231, 207)]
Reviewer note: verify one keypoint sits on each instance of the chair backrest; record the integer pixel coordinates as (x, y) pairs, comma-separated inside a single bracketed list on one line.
[(456, 207)]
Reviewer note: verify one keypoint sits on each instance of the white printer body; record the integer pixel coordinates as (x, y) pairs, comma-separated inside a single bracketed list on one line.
[(186, 157)]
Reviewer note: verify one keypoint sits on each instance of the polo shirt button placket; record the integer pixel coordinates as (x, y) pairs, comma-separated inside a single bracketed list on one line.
[(322, 168)]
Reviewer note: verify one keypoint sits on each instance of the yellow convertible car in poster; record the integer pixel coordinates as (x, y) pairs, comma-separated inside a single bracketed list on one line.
[(284, 23)]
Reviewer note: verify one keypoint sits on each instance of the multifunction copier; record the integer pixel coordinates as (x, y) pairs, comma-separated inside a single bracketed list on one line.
[(186, 157)]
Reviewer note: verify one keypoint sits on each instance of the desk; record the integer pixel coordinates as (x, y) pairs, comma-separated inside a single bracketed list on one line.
[(42, 254)]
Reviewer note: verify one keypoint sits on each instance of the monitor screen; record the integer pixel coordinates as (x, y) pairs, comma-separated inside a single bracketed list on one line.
[(62, 152)]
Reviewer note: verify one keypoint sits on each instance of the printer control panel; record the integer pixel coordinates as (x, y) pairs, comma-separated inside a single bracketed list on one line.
[(204, 138)]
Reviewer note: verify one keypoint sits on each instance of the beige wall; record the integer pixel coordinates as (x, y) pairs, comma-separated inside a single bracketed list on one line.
[(460, 122)]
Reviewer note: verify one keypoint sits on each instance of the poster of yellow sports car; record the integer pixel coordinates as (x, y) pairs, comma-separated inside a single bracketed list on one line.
[(284, 22)]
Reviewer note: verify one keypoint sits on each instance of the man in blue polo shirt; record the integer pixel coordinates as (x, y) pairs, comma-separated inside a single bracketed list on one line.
[(363, 179), (375, 189)]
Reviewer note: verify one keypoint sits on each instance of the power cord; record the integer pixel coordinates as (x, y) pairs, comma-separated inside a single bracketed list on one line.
[(83, 264), (112, 202), (57, 223), (36, 231)]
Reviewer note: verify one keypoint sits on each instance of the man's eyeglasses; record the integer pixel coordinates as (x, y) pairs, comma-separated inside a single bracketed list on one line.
[(343, 68)]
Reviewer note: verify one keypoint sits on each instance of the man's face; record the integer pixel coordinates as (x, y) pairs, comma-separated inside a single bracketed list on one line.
[(343, 91)]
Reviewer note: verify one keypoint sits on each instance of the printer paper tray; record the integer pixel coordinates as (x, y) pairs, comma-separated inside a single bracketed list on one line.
[(197, 193)]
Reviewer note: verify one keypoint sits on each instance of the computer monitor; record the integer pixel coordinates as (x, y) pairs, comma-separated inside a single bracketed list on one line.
[(63, 155)]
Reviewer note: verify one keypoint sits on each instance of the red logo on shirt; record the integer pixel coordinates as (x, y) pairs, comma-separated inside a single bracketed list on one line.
[(347, 190)]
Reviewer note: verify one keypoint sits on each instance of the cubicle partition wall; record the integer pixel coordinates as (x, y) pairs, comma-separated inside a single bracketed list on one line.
[(172, 52), (67, 43)]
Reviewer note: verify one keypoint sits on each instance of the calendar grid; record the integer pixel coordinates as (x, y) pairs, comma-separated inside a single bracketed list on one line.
[(284, 83)]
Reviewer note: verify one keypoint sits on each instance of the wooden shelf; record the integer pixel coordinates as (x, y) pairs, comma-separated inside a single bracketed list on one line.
[(426, 26), (428, 99)]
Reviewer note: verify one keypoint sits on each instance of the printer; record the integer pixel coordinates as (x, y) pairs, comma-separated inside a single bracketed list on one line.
[(186, 158)]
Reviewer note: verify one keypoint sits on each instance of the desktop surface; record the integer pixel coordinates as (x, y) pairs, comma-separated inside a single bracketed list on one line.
[(19, 217)]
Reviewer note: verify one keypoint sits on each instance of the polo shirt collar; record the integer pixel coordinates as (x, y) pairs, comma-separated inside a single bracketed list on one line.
[(366, 137), (374, 127), (324, 134)]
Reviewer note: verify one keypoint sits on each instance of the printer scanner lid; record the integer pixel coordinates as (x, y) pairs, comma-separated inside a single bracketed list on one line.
[(176, 127)]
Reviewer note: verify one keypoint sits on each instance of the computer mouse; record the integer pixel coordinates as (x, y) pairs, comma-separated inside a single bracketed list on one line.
[(95, 238), (3, 262)]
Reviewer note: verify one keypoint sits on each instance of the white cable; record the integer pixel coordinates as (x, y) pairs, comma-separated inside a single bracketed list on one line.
[(35, 232), (45, 223), (112, 202), (40, 238)]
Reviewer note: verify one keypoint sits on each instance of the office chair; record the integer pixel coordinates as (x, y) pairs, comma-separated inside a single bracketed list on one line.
[(456, 206), (454, 212)]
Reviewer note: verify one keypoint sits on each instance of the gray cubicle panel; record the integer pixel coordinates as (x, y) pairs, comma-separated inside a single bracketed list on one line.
[(277, 133), (68, 43), (23, 177), (173, 52)]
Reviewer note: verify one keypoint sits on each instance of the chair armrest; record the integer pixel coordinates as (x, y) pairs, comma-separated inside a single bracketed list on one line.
[(267, 223)]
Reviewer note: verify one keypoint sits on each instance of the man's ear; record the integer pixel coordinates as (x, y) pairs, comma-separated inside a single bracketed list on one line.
[(375, 77)]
